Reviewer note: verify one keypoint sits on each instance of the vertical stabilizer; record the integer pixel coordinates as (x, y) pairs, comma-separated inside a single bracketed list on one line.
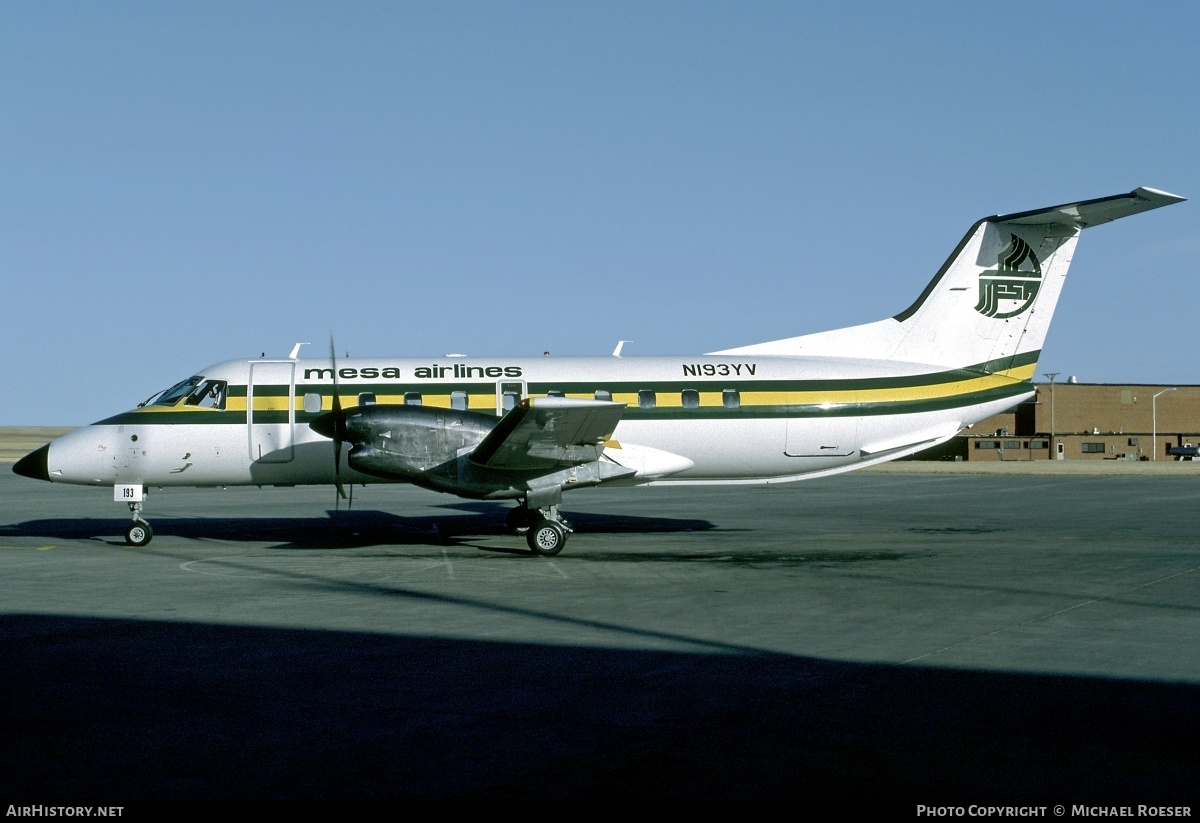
[(989, 306)]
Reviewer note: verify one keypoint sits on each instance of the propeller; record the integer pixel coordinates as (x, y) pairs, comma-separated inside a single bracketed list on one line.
[(339, 425)]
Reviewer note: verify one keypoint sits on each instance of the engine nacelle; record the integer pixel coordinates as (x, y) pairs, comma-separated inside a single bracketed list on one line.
[(432, 447), (408, 441)]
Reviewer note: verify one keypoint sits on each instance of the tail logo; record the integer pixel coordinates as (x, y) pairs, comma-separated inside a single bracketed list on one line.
[(1015, 280)]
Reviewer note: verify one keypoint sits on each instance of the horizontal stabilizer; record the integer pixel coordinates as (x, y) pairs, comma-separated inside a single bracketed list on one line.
[(1088, 213)]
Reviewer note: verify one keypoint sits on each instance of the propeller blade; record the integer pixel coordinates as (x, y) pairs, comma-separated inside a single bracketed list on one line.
[(339, 425)]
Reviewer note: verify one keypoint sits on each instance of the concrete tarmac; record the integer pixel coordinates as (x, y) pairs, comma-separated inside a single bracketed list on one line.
[(901, 637)]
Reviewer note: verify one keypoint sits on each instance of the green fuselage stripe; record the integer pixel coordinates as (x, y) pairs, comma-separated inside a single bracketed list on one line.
[(753, 400)]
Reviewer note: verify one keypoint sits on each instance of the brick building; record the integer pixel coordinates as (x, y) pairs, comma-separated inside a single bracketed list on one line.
[(1084, 421)]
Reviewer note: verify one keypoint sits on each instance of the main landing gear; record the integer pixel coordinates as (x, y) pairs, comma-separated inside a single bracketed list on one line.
[(138, 533), (544, 529)]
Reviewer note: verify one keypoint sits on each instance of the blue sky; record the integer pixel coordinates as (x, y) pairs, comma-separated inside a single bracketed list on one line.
[(185, 183)]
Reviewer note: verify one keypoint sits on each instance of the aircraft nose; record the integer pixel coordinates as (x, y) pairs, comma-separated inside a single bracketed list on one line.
[(34, 464)]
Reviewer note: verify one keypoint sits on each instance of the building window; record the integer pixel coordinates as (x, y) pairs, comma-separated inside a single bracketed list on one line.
[(1093, 448), (1133, 441), (1039, 444), (987, 444), (1012, 444), (690, 398)]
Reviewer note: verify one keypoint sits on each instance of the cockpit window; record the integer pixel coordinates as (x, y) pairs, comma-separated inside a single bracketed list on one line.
[(177, 392), (208, 395), (195, 391)]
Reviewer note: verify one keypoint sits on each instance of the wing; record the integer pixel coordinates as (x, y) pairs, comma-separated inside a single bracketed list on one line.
[(548, 433)]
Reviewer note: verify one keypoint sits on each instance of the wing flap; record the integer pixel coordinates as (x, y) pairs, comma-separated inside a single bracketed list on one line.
[(548, 432)]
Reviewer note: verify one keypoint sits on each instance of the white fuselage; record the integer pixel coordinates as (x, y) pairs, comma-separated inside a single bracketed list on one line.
[(702, 419)]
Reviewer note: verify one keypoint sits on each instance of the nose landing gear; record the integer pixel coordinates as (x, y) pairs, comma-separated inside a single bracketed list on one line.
[(138, 532)]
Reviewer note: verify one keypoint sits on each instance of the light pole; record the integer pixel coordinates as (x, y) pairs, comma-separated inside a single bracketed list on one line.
[(1154, 423), (1051, 375)]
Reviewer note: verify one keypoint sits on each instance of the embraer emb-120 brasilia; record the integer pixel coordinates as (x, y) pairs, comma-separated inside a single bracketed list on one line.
[(528, 429)]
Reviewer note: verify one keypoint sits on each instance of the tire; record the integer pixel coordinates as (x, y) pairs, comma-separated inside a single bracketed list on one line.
[(546, 538), (139, 533), (517, 521)]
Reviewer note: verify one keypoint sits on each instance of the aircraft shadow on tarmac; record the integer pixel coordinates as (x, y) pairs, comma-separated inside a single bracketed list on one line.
[(349, 529), (125, 710)]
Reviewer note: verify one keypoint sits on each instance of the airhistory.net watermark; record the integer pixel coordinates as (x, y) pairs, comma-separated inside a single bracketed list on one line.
[(39, 810)]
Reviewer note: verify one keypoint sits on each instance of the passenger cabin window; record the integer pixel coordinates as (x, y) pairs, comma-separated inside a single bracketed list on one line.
[(690, 398), (366, 398), (459, 400), (602, 394), (731, 399), (412, 398), (646, 399), (555, 393), (510, 395)]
